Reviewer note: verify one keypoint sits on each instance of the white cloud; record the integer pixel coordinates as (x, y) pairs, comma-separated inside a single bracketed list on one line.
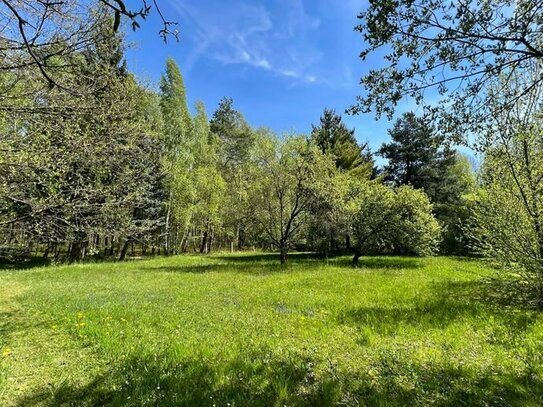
[(275, 40)]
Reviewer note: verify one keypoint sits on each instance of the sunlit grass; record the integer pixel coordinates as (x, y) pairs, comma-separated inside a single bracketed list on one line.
[(241, 329)]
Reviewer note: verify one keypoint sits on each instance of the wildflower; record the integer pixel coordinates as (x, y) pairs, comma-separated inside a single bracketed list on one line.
[(6, 352), (80, 315)]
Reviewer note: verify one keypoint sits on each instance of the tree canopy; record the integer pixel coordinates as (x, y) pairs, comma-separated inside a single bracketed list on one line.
[(454, 48)]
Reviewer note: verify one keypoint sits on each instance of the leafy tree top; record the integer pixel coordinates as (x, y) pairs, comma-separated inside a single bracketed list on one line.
[(333, 137)]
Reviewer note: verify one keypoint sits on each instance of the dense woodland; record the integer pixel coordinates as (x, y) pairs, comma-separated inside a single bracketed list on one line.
[(96, 165)]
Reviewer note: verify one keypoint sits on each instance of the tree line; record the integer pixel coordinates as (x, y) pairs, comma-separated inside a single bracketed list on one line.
[(113, 168)]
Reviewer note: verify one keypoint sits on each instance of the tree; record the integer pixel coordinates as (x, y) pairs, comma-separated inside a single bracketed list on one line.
[(207, 181), (333, 137), (454, 48), (387, 220), (75, 181), (236, 142), (177, 159), (413, 153), (416, 156), (285, 181), (34, 34), (508, 209)]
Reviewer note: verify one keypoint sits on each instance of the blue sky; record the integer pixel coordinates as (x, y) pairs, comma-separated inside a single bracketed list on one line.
[(282, 61)]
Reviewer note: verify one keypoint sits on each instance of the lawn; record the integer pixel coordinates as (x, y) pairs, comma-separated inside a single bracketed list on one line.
[(239, 330)]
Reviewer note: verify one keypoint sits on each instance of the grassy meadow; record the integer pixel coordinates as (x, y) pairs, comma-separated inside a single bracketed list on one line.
[(240, 330)]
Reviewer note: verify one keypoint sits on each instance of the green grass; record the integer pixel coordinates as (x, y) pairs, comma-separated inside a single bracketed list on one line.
[(240, 330)]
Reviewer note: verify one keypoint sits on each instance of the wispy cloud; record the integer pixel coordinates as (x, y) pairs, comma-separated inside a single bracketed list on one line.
[(274, 39)]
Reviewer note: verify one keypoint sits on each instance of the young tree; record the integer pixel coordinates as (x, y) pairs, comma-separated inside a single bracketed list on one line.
[(387, 220), (287, 175), (508, 213), (178, 160), (236, 142), (331, 136)]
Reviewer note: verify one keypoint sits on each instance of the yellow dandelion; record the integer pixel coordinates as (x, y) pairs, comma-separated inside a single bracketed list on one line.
[(6, 352)]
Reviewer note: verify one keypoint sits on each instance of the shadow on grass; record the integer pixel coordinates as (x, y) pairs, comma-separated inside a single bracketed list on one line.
[(449, 302), (376, 263), (497, 292), (261, 269), (23, 264), (267, 380), (265, 264), (269, 257), (257, 264), (255, 380)]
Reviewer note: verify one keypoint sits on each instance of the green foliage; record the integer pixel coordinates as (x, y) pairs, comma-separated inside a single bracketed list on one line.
[(416, 156), (235, 141), (332, 137), (508, 210), (286, 182), (454, 48), (177, 120), (95, 173), (238, 329), (387, 220)]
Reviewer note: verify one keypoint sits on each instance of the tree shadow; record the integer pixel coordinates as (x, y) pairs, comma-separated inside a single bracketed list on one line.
[(450, 302), (25, 264), (268, 263), (269, 257), (254, 269), (265, 379), (256, 264), (497, 292), (393, 263), (252, 380)]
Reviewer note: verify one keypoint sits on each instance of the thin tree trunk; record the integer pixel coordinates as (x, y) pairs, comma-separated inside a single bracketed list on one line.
[(210, 241), (167, 228), (124, 250), (283, 250), (46, 252), (203, 246)]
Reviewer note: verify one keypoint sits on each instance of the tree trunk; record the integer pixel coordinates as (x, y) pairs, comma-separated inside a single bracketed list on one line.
[(124, 250), (241, 238), (210, 241), (203, 246), (333, 243), (348, 242), (357, 255), (167, 228), (283, 250), (77, 251), (46, 252)]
